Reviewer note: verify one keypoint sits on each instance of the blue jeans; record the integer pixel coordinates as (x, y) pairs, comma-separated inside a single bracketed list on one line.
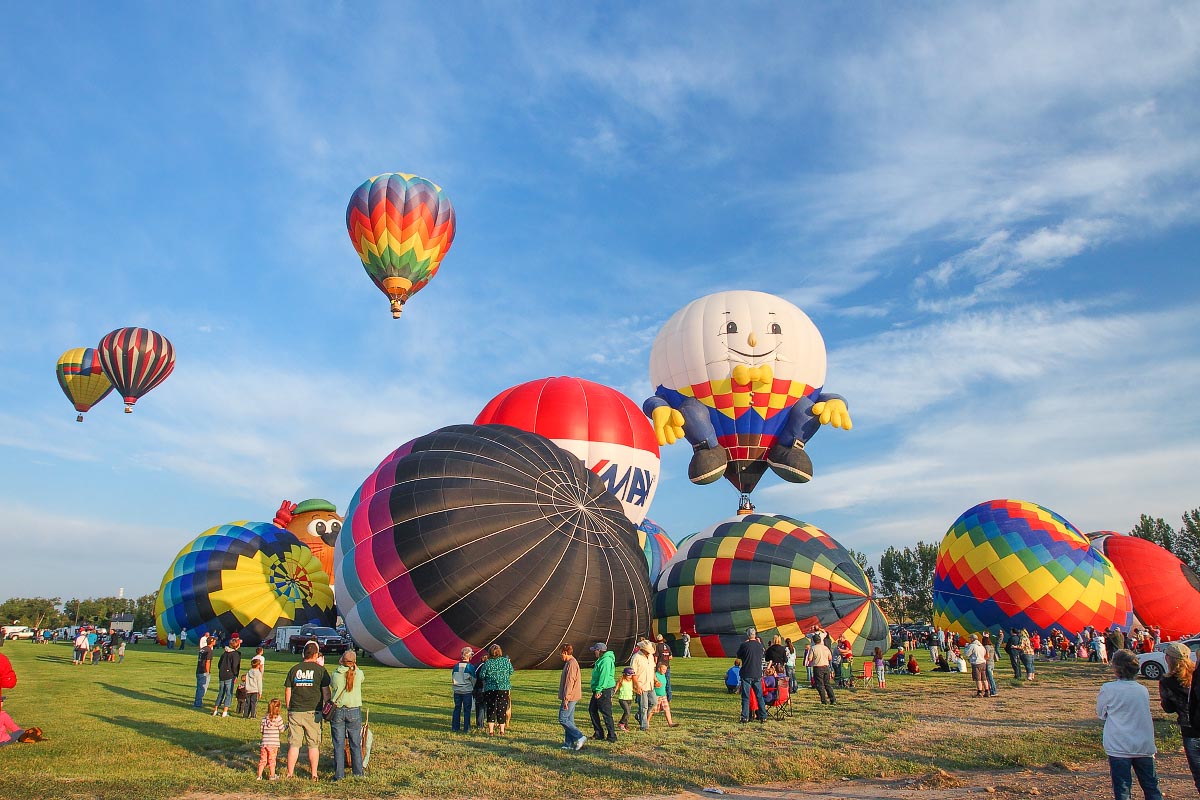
[(791, 677), (346, 722), (753, 685), (225, 693), (566, 718), (1191, 747), (462, 712), (1122, 780), (201, 688), (1027, 660), (991, 676)]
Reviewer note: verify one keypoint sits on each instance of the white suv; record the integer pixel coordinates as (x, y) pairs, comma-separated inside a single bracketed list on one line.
[(1154, 664)]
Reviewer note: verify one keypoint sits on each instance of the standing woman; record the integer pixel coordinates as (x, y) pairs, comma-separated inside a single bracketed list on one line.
[(990, 651), (790, 666), (1026, 650), (346, 695), (479, 696), (496, 674), (1175, 692)]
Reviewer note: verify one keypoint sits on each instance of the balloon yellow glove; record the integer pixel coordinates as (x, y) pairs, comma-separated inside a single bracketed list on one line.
[(668, 424), (833, 412)]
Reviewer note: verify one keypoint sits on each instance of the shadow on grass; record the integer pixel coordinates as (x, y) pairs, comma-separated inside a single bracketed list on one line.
[(224, 750), (134, 694)]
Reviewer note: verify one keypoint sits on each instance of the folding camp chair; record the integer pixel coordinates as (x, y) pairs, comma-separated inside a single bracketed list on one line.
[(868, 674), (781, 706)]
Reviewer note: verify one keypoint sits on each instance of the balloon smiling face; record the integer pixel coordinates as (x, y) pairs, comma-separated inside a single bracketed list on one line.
[(740, 350)]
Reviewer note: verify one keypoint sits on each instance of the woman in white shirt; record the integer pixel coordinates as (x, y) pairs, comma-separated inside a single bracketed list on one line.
[(1124, 705)]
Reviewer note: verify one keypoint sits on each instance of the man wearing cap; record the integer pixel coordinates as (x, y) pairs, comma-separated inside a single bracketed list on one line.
[(751, 655), (462, 679), (306, 690), (977, 657), (203, 667), (643, 681), (228, 669), (663, 655), (570, 690), (604, 680)]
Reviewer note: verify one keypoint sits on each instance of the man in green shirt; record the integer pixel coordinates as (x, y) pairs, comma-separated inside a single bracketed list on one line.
[(603, 682), (306, 690)]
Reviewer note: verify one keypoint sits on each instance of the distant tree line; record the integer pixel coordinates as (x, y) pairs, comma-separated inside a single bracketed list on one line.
[(53, 612), (903, 580)]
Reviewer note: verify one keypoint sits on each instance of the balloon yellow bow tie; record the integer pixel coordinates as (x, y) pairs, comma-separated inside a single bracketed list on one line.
[(759, 376)]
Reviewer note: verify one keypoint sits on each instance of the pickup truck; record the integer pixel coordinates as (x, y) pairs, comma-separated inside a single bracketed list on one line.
[(328, 639), (18, 632)]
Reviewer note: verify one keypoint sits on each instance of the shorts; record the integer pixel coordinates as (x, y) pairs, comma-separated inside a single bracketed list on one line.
[(979, 672), (303, 725)]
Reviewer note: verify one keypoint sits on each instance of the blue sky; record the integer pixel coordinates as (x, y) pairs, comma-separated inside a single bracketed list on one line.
[(990, 213)]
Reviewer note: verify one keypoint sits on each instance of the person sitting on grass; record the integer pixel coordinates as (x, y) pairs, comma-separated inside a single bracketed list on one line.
[(896, 661), (913, 669), (733, 676), (942, 664)]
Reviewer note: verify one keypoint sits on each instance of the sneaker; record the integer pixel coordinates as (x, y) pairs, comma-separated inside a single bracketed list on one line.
[(624, 727), (225, 713), (568, 747), (216, 711), (274, 777), (579, 742)]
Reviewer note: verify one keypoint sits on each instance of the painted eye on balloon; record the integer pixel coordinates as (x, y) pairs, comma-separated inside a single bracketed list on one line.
[(731, 327), (335, 527), (317, 527), (775, 328)]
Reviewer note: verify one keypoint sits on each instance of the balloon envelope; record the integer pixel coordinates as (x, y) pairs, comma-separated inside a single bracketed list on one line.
[(777, 574), (695, 354), (473, 535), (247, 577), (136, 360), (82, 379), (596, 424), (1011, 563), (1165, 591), (656, 546), (401, 226)]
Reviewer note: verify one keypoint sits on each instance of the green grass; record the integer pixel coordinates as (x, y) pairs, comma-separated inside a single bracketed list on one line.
[(128, 731)]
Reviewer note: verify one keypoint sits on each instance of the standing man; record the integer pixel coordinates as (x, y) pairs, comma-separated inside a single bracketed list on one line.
[(751, 655), (1012, 647), (462, 680), (203, 666), (570, 690), (687, 645), (604, 680), (182, 638), (663, 655), (643, 681), (821, 659), (306, 689), (171, 640), (229, 667)]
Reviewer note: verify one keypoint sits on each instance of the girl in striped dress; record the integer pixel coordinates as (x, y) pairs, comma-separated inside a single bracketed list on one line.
[(272, 726)]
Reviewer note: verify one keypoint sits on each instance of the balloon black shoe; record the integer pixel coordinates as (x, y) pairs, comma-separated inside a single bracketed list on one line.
[(707, 465), (790, 463)]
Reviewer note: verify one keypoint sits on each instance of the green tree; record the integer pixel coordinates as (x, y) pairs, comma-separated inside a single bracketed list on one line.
[(860, 558), (1155, 529), (36, 612), (143, 611), (906, 582), (96, 610), (1188, 539)]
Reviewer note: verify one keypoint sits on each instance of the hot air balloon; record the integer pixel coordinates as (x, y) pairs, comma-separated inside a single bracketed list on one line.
[(657, 547), (135, 360), (598, 425), (402, 226), (82, 380), (477, 534), (1164, 590), (247, 577), (739, 375), (777, 574), (1011, 563), (316, 524)]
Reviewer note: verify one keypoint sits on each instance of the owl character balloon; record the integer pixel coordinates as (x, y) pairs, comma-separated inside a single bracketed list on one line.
[(739, 374), (316, 524)]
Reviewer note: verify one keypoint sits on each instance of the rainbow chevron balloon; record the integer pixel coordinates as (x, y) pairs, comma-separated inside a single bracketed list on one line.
[(1009, 563), (401, 226), (656, 545)]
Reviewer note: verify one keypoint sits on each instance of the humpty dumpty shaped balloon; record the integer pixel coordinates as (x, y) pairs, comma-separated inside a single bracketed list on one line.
[(739, 375)]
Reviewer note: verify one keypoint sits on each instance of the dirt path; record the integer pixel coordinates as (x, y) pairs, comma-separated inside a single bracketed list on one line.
[(1088, 780)]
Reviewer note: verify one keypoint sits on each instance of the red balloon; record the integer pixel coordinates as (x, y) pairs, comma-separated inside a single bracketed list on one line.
[(1164, 590), (135, 361), (598, 425)]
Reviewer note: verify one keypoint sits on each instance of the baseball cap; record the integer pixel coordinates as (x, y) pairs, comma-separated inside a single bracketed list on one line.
[(658, 638), (1178, 650), (627, 671), (599, 647)]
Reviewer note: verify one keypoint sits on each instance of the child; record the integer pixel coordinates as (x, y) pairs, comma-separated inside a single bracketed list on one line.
[(121, 652), (258, 653), (625, 696), (660, 692), (9, 730), (880, 669), (254, 682), (272, 725), (239, 694), (733, 677), (1124, 705)]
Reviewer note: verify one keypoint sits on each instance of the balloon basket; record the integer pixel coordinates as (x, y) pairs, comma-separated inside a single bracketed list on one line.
[(128, 409), (745, 506), (79, 417)]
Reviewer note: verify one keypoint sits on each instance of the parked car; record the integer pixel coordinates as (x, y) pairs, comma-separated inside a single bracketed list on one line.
[(135, 636), (18, 632), (1154, 665), (329, 640)]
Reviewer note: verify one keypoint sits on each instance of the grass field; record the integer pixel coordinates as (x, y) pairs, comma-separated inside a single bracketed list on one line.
[(128, 731)]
